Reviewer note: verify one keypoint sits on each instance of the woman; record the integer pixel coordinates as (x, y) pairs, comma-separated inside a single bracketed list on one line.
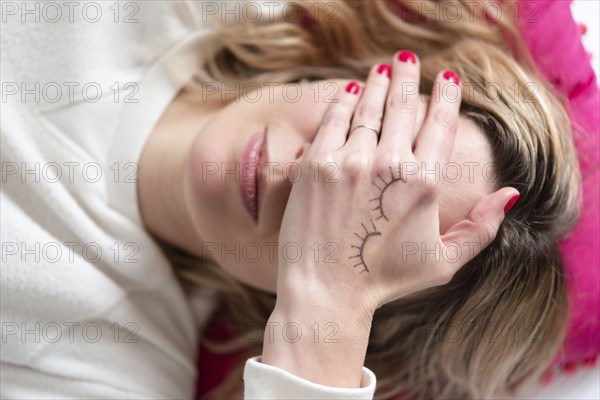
[(378, 220), (488, 331)]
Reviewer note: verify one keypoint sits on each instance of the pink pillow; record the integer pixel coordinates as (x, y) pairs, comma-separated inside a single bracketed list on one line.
[(555, 43), (214, 367)]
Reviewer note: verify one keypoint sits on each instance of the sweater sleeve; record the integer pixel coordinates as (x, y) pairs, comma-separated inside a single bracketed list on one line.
[(263, 381)]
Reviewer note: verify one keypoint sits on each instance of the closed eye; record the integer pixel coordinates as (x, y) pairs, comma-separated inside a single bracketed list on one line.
[(382, 186), (360, 249)]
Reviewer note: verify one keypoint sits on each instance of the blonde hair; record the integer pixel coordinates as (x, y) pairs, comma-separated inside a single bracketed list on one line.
[(495, 327)]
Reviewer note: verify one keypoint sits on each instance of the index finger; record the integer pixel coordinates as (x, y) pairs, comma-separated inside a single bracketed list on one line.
[(333, 131)]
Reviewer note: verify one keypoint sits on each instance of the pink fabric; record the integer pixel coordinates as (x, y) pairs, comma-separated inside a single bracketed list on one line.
[(213, 367), (555, 42)]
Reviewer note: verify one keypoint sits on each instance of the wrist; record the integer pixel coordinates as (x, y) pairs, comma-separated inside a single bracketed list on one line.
[(327, 301), (355, 320), (325, 344)]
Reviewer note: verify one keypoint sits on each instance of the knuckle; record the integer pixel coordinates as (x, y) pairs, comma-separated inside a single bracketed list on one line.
[(383, 163), (322, 157), (400, 102), (446, 121), (487, 232), (476, 216), (369, 112), (323, 166), (335, 119), (355, 164), (486, 228)]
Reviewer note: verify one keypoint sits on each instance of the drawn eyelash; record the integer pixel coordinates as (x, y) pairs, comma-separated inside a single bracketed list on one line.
[(360, 248), (386, 184)]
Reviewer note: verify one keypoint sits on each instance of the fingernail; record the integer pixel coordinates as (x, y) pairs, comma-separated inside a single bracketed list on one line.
[(450, 75), (353, 88), (385, 69), (511, 203), (406, 56)]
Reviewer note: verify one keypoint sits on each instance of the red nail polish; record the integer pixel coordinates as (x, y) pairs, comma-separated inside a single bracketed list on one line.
[(353, 88), (385, 69), (406, 56), (451, 76), (511, 203)]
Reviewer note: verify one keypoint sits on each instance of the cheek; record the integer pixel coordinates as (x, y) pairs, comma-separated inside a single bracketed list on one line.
[(462, 188), (302, 107), (205, 188), (303, 116)]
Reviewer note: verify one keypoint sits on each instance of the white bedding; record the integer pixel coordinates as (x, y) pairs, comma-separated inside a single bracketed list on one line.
[(587, 12)]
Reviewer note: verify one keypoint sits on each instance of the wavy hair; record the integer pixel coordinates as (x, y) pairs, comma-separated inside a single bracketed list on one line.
[(494, 328)]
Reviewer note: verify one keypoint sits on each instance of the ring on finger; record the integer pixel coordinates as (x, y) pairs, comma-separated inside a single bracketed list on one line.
[(367, 127)]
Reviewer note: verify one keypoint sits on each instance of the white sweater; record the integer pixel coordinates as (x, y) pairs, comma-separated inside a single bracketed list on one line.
[(89, 304)]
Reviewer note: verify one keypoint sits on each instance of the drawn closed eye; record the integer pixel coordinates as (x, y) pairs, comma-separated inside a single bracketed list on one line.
[(386, 184), (363, 239)]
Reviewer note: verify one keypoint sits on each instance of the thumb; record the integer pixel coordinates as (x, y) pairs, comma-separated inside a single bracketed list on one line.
[(479, 229)]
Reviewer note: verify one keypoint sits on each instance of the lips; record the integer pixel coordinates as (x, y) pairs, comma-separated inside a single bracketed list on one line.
[(249, 173)]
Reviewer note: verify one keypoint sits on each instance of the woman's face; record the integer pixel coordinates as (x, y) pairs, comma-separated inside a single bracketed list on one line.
[(243, 239)]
